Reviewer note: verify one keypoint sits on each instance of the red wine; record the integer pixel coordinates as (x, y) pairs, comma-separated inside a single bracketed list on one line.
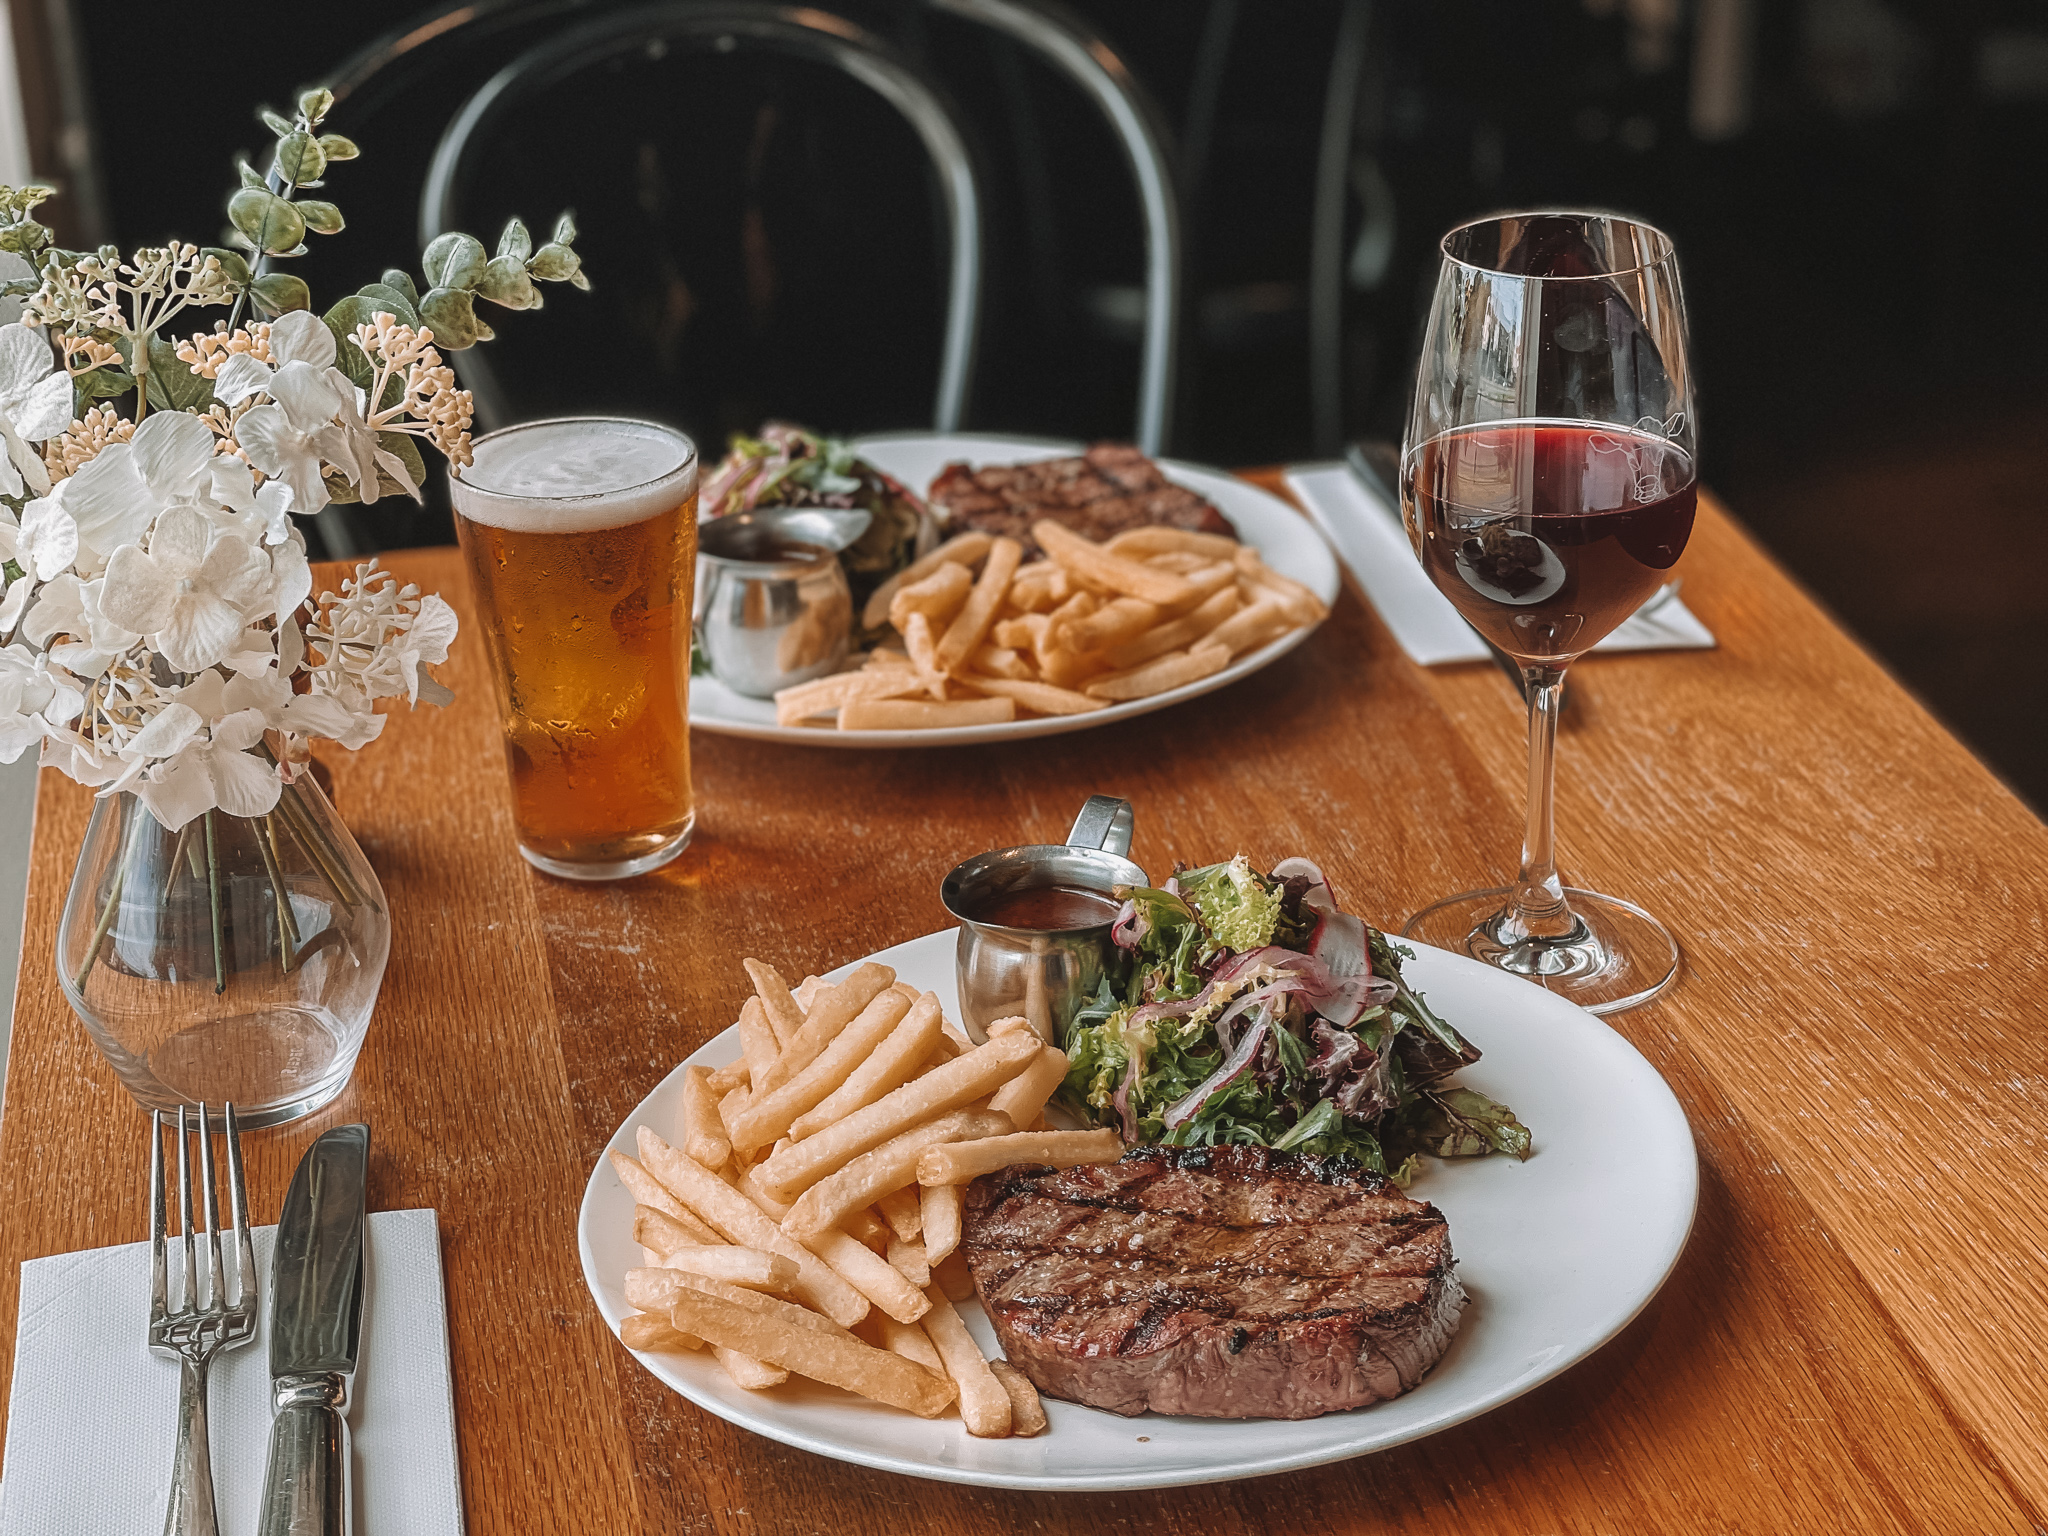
[(1547, 535)]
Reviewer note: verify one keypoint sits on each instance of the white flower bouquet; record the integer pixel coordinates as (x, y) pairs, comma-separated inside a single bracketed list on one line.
[(159, 636)]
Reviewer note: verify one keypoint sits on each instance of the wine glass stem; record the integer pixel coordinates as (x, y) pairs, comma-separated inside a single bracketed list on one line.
[(1540, 910)]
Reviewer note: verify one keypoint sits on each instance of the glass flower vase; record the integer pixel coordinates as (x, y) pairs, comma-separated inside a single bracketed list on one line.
[(237, 958)]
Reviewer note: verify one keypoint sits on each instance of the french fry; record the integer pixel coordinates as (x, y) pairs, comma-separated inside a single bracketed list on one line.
[(1015, 1023), (1265, 618), (1090, 561), (950, 1035), (653, 1331), (962, 549), (704, 1136), (734, 1074), (940, 1207), (924, 714), (674, 1282), (749, 1184), (970, 625), (1137, 543), (1173, 670), (918, 642), (960, 1081), (1022, 633), (771, 1115), (873, 1373), (893, 1165), (967, 1161), (1304, 607), (901, 1210), (1114, 622), (910, 1341), (951, 1276), (1001, 661), (731, 1213), (823, 695), (1040, 587), (908, 1260), (1177, 633), (870, 1274), (753, 1268), (1024, 1096), (785, 1017), (662, 1234), (832, 1009), (731, 1107), (1046, 698), (806, 992), (649, 1191), (758, 1043), (748, 1372), (1048, 642), (983, 1403), (1027, 1413), (891, 1064), (865, 1226), (937, 596)]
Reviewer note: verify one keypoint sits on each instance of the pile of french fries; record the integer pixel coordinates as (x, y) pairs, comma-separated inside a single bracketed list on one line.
[(984, 638), (809, 1221)]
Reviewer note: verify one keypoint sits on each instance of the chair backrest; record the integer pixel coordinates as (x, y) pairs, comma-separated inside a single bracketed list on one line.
[(725, 26), (1065, 42)]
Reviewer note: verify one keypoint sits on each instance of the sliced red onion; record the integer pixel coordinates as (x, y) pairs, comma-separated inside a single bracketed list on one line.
[(1133, 1070), (1258, 995), (1234, 1066), (1318, 897), (1149, 1012), (1339, 942), (1127, 929)]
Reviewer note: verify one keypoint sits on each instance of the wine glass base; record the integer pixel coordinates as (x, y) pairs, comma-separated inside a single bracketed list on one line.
[(1616, 957)]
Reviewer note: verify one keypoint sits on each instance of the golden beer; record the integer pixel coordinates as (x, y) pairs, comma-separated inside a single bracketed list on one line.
[(581, 541)]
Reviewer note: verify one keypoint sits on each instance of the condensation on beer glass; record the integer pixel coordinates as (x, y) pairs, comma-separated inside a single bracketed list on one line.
[(580, 538)]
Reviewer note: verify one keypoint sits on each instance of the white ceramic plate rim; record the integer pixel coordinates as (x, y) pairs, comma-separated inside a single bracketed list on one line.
[(1655, 1149), (1305, 556)]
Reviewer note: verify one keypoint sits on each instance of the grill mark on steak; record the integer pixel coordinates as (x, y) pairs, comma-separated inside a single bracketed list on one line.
[(1225, 1282), (1107, 490)]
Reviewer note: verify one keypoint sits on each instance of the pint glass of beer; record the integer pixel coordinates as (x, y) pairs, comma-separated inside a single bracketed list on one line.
[(581, 540)]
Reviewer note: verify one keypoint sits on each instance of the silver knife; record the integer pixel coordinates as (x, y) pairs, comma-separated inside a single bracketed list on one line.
[(316, 1313)]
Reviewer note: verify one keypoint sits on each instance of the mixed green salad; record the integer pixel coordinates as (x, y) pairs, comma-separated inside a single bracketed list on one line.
[(1252, 1011)]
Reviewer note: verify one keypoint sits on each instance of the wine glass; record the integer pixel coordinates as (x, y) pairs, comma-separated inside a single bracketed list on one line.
[(1548, 482)]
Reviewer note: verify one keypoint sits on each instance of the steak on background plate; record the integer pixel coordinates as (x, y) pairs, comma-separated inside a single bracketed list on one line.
[(1110, 488), (1220, 1282)]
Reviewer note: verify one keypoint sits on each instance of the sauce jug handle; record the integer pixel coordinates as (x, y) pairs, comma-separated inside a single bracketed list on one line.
[(1105, 823)]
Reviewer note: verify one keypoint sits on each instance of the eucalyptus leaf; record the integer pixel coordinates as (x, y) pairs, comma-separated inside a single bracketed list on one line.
[(251, 177), (554, 263), (387, 298), (407, 448), (299, 159), (316, 103), (100, 384), (321, 218), (399, 278), (452, 315), (515, 241), (565, 228), (335, 147), (455, 260), (278, 293), (505, 282), (172, 385), (281, 126), (247, 209), (339, 492), (343, 319), (232, 266)]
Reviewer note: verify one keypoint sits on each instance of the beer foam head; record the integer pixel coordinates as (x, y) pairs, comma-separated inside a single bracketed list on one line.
[(574, 476)]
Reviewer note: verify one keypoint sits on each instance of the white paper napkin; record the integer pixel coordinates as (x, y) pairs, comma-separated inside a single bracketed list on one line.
[(1370, 540), (92, 1420)]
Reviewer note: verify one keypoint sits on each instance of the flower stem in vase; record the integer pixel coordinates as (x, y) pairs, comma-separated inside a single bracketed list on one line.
[(106, 922), (163, 899), (287, 928), (220, 970)]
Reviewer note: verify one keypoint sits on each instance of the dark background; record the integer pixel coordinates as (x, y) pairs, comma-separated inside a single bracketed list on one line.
[(1855, 187)]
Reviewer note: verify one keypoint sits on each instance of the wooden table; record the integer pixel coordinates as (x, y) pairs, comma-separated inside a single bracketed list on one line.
[(1853, 1340)]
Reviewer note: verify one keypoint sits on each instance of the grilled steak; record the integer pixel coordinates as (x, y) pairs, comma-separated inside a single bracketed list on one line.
[(1225, 1282), (1108, 489)]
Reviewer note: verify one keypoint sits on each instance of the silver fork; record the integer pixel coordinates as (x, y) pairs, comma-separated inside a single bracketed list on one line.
[(195, 1332)]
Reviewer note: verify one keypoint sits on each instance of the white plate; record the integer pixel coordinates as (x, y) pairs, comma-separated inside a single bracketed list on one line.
[(1559, 1253), (1285, 540)]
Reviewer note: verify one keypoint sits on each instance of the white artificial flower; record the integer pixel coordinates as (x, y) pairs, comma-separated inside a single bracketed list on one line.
[(426, 639), (13, 268), (127, 486), (288, 439), (213, 772), (302, 714), (190, 591), (35, 403), (48, 541), (69, 606), (31, 701)]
